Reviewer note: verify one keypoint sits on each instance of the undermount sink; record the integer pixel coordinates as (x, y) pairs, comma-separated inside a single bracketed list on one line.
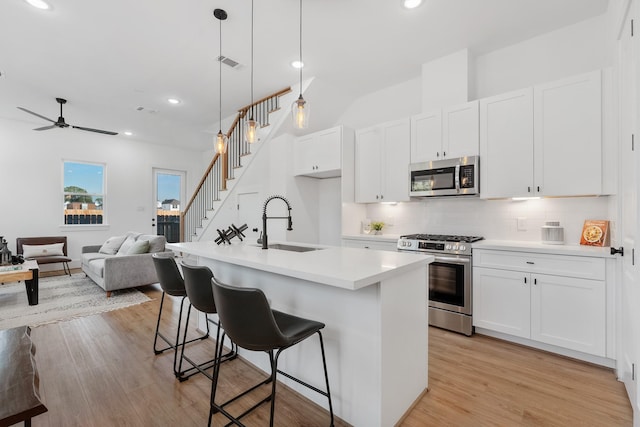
[(293, 248)]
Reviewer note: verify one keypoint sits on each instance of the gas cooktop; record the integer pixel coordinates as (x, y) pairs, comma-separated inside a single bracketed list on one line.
[(442, 238)]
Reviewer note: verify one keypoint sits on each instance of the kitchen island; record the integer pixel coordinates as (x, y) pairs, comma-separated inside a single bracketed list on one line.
[(374, 305)]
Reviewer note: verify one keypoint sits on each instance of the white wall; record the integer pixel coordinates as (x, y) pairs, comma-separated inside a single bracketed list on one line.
[(445, 81), (32, 180)]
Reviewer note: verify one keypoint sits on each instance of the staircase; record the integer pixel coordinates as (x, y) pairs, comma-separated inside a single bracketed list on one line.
[(225, 169)]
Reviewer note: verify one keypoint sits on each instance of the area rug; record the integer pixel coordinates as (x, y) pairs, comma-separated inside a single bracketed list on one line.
[(60, 298)]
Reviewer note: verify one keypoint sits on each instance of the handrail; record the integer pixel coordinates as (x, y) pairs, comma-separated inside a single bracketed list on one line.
[(221, 167)]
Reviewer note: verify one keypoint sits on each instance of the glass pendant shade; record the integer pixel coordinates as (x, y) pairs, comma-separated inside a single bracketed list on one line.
[(221, 143), (300, 111), (251, 131)]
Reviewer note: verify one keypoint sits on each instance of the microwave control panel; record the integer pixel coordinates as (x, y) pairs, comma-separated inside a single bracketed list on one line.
[(466, 176)]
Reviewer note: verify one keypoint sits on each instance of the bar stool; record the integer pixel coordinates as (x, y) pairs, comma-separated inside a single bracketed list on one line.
[(249, 321), (197, 283), (172, 284)]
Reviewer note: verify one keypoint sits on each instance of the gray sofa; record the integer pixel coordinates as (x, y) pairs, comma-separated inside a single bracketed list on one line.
[(120, 262)]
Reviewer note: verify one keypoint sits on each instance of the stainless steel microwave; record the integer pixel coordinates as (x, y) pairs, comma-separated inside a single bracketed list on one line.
[(450, 177)]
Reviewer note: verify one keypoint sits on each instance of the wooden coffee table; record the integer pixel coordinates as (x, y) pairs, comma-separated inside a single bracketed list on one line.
[(19, 381), (27, 272)]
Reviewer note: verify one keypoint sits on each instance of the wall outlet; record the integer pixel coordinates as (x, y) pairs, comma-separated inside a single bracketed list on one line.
[(522, 223)]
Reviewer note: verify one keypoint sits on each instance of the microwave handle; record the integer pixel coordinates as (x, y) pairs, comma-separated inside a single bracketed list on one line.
[(457, 174)]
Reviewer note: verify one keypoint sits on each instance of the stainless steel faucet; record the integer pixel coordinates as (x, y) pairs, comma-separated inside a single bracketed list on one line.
[(265, 242)]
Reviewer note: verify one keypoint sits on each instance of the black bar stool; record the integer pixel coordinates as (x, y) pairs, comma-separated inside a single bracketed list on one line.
[(248, 320), (172, 284), (197, 283)]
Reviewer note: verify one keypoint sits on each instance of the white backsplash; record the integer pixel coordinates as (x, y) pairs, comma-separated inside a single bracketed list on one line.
[(492, 219)]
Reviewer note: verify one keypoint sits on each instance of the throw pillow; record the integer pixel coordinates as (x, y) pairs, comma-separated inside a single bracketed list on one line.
[(53, 249), (111, 246), (139, 247), (127, 244), (156, 243)]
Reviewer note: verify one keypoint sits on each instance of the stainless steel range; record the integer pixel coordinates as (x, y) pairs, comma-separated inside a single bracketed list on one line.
[(450, 279)]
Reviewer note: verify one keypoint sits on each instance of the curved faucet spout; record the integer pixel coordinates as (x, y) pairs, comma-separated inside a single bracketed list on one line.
[(265, 242)]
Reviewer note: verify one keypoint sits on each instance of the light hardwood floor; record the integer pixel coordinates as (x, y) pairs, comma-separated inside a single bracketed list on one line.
[(101, 371)]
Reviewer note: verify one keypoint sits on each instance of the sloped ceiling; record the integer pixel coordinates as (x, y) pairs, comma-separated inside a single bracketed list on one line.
[(109, 58)]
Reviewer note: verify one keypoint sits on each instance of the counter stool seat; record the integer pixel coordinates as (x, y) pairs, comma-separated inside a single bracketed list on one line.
[(172, 284), (248, 320)]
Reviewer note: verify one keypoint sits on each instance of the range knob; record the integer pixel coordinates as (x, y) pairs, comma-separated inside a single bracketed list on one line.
[(448, 246), (463, 247), (455, 247)]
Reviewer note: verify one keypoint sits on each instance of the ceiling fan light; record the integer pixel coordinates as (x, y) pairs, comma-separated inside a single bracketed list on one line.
[(411, 4), (39, 4)]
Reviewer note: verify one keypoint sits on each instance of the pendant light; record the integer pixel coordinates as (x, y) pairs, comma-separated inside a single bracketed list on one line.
[(221, 139), (251, 126), (300, 109)]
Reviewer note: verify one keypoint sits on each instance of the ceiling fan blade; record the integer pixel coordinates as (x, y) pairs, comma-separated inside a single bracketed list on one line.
[(36, 114), (45, 127), (106, 132)]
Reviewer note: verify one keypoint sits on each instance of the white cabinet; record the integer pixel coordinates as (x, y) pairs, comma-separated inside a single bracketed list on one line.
[(382, 163), (543, 141), (506, 145), (378, 244), (319, 154), (552, 299), (568, 136), (445, 133)]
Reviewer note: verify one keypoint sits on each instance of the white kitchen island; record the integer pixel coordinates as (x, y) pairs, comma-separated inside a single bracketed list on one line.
[(374, 305)]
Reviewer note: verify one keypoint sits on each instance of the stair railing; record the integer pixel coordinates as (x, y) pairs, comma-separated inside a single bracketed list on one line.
[(222, 166)]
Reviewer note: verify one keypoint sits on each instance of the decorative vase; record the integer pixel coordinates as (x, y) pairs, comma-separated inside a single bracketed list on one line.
[(5, 253)]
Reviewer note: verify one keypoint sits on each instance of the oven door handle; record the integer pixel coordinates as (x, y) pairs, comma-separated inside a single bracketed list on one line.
[(453, 260)]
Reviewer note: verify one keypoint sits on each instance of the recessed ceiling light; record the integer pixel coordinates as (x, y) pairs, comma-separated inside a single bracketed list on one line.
[(174, 101), (411, 4), (128, 132), (297, 64), (39, 4)]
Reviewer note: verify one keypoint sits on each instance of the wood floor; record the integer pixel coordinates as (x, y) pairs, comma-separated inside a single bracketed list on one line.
[(101, 371)]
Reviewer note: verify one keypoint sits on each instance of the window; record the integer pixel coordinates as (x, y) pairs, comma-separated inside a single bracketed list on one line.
[(84, 195)]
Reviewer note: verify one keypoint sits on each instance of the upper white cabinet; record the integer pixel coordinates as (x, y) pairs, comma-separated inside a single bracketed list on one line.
[(445, 133), (506, 145), (382, 163), (319, 154), (568, 136), (543, 141)]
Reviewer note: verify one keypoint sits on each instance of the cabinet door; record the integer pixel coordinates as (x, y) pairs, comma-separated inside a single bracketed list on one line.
[(426, 137), (460, 130), (395, 159), (368, 164), (569, 313), (568, 136), (506, 145), (501, 301), (328, 152), (303, 155)]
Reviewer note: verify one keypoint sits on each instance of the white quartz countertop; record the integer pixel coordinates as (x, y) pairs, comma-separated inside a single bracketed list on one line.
[(347, 268), (542, 248)]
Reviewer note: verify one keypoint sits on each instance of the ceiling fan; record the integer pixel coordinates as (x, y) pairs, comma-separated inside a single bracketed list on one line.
[(61, 123)]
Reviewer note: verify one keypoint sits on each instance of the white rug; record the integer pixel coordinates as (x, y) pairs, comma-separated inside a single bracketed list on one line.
[(60, 298)]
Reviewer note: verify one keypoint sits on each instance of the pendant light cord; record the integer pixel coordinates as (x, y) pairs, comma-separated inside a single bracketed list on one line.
[(251, 115), (220, 79), (301, 63)]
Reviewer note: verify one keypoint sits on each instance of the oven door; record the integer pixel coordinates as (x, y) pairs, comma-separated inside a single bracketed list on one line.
[(450, 283)]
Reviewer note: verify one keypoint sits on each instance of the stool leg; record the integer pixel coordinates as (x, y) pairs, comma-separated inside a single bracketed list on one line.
[(326, 376), (274, 371), (155, 339), (178, 370)]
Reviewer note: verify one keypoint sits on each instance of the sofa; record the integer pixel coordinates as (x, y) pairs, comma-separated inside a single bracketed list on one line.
[(123, 261)]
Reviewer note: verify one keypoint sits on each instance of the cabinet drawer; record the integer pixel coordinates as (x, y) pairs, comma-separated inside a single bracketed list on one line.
[(369, 244), (558, 265)]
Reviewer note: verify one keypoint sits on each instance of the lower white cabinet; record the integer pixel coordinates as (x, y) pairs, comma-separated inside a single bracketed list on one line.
[(369, 244), (539, 297)]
